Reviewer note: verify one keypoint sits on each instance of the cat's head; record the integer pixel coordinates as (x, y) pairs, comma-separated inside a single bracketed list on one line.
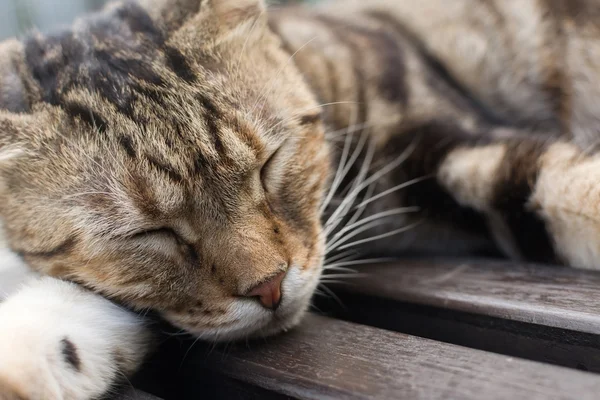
[(171, 157)]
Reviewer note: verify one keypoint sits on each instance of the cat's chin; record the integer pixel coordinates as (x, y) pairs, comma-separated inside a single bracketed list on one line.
[(259, 328), (250, 320)]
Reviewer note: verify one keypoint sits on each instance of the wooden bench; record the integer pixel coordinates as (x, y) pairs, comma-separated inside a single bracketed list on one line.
[(433, 329)]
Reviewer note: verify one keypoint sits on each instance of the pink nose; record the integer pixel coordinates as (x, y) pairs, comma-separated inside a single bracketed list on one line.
[(269, 292)]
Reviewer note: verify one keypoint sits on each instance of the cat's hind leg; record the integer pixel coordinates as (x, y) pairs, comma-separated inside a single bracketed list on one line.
[(60, 341)]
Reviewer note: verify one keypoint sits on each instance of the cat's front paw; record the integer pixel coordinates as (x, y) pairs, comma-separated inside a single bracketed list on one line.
[(60, 342)]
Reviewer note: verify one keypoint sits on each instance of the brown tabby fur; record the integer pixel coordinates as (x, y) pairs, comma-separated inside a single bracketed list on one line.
[(140, 150), (173, 156)]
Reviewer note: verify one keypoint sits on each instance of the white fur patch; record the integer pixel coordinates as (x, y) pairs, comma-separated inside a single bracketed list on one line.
[(47, 313), (568, 196), (468, 173), (13, 270)]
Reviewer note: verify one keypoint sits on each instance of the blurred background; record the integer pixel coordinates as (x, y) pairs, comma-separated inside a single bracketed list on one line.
[(18, 17)]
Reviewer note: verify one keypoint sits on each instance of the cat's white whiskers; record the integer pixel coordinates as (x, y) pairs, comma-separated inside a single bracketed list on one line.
[(341, 211), (344, 276), (188, 351), (333, 135), (338, 177), (375, 218), (378, 237), (344, 255), (335, 244), (393, 190), (359, 211), (334, 282), (331, 293), (355, 155), (340, 269), (360, 262), (335, 218)]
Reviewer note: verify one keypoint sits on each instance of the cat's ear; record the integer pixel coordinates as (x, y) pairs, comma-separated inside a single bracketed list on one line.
[(213, 20), (235, 16)]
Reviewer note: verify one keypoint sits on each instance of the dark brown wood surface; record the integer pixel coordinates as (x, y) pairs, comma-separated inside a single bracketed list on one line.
[(331, 359), (133, 394), (550, 296)]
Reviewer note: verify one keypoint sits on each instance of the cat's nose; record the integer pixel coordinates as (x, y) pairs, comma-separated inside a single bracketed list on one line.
[(268, 293)]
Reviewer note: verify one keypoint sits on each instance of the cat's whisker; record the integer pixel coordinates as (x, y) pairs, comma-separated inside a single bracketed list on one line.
[(173, 334), (332, 294), (393, 190), (343, 169), (334, 282), (375, 217), (337, 177), (379, 237), (335, 244), (368, 194), (188, 351), (341, 211), (360, 210), (332, 135), (329, 225), (362, 262), (344, 276), (341, 269), (355, 155), (337, 257)]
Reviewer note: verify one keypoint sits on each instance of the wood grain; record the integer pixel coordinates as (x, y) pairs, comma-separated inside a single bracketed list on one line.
[(133, 394), (549, 296), (331, 359)]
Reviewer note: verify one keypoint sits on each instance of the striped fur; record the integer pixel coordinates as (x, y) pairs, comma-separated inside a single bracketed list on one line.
[(154, 164), (172, 154), (483, 91)]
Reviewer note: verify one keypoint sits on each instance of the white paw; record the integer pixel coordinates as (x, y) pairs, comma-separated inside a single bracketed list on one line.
[(61, 342)]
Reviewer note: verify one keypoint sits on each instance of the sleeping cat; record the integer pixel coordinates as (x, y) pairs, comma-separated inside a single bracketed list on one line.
[(206, 159)]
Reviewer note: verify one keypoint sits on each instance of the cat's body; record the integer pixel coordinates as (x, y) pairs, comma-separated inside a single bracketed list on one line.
[(172, 156)]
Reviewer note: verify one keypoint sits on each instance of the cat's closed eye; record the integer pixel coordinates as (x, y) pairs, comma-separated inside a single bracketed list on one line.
[(149, 232), (169, 234), (268, 172)]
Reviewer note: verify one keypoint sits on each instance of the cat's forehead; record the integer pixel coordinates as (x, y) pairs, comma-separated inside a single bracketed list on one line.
[(120, 73)]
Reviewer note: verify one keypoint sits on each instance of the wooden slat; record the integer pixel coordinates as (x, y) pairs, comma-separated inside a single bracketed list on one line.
[(551, 296), (540, 313), (133, 394), (331, 359)]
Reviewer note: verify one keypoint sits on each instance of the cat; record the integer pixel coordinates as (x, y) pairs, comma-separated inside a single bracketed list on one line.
[(210, 159)]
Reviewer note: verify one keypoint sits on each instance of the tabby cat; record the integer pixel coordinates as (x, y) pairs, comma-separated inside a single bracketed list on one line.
[(206, 159)]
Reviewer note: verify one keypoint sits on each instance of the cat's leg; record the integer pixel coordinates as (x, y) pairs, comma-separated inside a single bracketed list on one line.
[(540, 195), (59, 341), (542, 199)]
